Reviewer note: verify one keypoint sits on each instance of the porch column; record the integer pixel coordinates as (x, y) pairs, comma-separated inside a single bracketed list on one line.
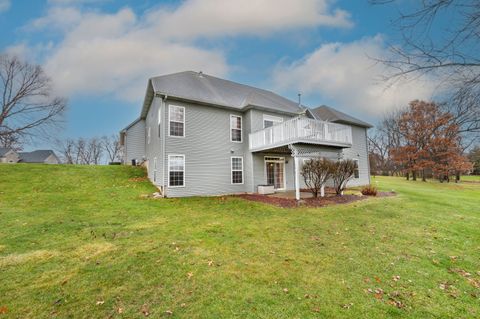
[(297, 181), (296, 167)]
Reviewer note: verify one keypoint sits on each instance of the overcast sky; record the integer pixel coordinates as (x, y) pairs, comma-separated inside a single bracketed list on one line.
[(101, 53)]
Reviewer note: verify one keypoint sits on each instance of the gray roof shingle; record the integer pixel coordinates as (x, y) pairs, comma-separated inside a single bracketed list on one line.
[(38, 156), (196, 86), (326, 113)]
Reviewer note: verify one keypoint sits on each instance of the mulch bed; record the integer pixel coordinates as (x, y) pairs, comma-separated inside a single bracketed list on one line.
[(309, 202)]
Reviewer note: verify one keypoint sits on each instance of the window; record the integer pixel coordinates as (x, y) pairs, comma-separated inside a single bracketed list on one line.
[(235, 128), (176, 115), (148, 135), (269, 120), (176, 170), (237, 170), (356, 173)]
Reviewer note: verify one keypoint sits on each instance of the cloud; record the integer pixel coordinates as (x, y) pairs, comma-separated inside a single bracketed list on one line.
[(204, 18), (346, 74), (110, 54), (4, 5), (115, 53)]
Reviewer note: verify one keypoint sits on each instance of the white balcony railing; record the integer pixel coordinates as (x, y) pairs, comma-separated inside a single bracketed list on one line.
[(301, 130)]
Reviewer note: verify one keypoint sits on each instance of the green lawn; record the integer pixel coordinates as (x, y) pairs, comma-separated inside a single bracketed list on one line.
[(81, 242), (471, 178)]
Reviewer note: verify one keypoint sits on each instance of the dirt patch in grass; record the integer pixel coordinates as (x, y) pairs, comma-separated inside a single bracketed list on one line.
[(88, 251), (36, 255), (310, 202)]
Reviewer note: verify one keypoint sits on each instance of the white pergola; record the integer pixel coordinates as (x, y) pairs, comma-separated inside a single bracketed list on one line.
[(304, 152)]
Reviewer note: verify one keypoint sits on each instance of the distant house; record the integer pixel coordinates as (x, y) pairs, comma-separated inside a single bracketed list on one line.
[(39, 156), (8, 155), (202, 135)]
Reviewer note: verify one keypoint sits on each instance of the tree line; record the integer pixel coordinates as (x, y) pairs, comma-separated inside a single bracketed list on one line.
[(90, 151), (422, 140)]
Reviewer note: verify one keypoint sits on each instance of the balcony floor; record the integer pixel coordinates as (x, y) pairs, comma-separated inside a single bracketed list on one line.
[(281, 146)]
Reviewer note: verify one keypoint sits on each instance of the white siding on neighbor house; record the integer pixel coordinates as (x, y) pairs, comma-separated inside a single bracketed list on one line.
[(52, 159), (207, 149), (135, 142), (9, 157)]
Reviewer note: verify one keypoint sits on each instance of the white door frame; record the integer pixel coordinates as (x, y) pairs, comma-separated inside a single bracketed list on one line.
[(280, 160)]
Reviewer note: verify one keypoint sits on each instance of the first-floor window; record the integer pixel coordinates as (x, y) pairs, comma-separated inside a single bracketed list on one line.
[(176, 170), (237, 170), (356, 173)]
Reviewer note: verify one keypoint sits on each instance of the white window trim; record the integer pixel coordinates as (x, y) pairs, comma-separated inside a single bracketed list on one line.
[(232, 170), (149, 131), (274, 119), (184, 170), (241, 128), (184, 116)]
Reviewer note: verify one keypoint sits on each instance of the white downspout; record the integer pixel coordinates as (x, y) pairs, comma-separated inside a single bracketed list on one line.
[(297, 182), (164, 125)]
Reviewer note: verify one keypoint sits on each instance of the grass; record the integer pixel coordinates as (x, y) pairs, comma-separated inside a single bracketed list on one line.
[(81, 242), (471, 178)]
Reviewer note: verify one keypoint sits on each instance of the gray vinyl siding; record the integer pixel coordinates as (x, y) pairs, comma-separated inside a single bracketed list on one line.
[(207, 149), (135, 142), (154, 148), (359, 151)]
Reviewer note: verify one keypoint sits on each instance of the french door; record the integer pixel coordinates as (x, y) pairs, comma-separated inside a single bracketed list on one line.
[(275, 172)]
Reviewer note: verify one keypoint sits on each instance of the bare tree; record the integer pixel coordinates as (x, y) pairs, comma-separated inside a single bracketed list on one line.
[(28, 106), (315, 173), (10, 141), (95, 149), (67, 151), (113, 148), (342, 172), (453, 57)]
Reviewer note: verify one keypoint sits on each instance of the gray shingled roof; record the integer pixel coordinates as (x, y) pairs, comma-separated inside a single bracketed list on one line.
[(326, 113), (195, 86), (38, 156), (4, 151)]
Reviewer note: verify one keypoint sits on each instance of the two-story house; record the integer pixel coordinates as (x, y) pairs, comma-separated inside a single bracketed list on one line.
[(202, 135)]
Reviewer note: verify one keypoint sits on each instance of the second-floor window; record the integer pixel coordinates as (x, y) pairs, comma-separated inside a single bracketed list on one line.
[(176, 116), (235, 128), (269, 120)]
